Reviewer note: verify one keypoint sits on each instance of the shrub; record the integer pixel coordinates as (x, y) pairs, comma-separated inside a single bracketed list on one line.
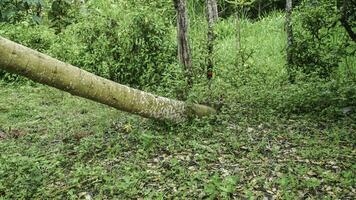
[(133, 48), (63, 13), (17, 11), (320, 40)]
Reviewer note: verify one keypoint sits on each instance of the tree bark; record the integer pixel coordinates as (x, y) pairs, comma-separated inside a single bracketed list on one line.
[(290, 38), (44, 69), (239, 56), (212, 10), (289, 29), (184, 52), (213, 16)]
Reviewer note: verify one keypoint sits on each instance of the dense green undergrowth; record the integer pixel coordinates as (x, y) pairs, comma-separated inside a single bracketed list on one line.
[(270, 139)]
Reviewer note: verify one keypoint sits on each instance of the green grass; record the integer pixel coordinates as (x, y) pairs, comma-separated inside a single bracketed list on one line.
[(55, 145), (272, 139)]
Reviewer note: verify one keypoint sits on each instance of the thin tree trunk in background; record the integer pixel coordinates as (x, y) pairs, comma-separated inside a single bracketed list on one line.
[(44, 69), (184, 52), (238, 37), (212, 16), (212, 11), (259, 9), (289, 30)]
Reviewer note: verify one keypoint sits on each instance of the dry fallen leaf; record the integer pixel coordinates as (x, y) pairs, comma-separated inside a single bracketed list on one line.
[(85, 195), (250, 130)]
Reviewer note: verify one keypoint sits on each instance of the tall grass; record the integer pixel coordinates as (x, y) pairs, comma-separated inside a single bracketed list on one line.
[(260, 84)]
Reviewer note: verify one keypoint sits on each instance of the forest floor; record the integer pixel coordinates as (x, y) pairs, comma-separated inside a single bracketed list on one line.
[(54, 145)]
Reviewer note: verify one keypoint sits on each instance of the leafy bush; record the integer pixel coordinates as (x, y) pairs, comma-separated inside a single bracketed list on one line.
[(253, 9), (16, 11), (146, 51), (320, 40), (132, 48), (63, 13)]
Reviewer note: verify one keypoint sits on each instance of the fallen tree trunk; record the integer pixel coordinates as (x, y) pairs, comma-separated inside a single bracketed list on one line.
[(44, 69)]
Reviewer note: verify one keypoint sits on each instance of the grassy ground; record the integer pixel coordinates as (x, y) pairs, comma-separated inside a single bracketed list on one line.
[(273, 139), (54, 145)]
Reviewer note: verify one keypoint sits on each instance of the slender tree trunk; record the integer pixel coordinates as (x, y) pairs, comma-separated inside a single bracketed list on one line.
[(290, 38), (184, 52), (41, 68), (212, 11), (259, 9), (239, 56), (212, 16)]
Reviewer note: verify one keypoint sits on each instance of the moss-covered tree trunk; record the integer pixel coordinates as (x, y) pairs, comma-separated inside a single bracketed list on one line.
[(44, 69)]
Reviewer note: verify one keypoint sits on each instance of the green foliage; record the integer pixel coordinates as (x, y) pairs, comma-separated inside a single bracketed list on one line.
[(272, 139), (25, 177), (63, 13), (13, 11), (253, 9), (320, 41), (221, 187), (146, 51), (134, 51)]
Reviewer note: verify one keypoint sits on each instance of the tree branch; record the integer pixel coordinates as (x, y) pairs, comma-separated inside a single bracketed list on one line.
[(345, 23)]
